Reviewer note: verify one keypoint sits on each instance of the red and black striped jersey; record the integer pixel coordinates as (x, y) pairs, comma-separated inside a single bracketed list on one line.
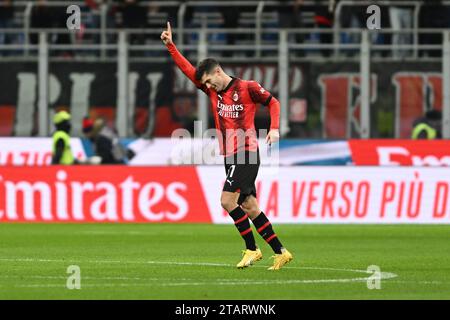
[(233, 108)]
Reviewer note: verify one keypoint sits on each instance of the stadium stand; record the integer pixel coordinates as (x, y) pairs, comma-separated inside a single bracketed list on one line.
[(233, 31)]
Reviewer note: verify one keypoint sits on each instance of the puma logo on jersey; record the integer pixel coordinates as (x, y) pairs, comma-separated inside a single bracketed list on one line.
[(230, 181)]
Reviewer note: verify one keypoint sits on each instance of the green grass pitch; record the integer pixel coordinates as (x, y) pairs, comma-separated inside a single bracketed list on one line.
[(196, 261)]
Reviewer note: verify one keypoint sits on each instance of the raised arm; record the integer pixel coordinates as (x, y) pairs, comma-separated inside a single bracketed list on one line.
[(185, 66)]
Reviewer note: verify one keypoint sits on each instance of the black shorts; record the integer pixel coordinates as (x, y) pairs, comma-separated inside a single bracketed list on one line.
[(241, 177)]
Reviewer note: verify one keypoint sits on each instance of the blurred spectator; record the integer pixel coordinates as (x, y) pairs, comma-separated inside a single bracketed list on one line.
[(6, 21), (134, 16), (401, 17), (231, 16), (93, 19), (172, 15), (41, 18), (154, 24), (105, 141), (433, 15), (379, 37), (429, 126), (44, 16), (63, 37), (289, 17), (355, 17), (323, 19), (188, 15)]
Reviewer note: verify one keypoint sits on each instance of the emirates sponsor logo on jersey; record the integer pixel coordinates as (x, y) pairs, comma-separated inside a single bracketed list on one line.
[(229, 110)]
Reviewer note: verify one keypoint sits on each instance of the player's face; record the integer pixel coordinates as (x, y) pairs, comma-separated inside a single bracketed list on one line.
[(213, 80)]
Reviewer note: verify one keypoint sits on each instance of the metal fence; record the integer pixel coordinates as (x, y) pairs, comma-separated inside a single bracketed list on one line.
[(274, 45), (283, 53), (259, 23)]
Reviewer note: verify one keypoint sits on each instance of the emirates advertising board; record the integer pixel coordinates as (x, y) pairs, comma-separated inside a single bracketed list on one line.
[(191, 194)]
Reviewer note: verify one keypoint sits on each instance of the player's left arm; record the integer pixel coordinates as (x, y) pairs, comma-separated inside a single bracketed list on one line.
[(274, 132), (261, 95)]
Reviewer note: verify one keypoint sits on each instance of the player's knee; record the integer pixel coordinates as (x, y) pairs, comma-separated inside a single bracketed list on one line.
[(250, 208), (251, 211), (245, 206), (227, 203)]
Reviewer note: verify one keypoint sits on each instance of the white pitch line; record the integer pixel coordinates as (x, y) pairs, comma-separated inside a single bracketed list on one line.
[(222, 282), (421, 281), (228, 281), (387, 275), (84, 277), (203, 283), (131, 233)]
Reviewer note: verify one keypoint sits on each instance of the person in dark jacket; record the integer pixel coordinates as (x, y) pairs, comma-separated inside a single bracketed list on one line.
[(433, 15), (134, 16), (42, 17), (105, 141), (428, 127), (6, 21), (324, 19)]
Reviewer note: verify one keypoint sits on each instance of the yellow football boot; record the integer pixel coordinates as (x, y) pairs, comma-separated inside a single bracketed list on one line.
[(281, 259), (248, 257)]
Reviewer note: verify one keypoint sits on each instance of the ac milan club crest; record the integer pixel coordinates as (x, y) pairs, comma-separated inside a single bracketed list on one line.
[(235, 96)]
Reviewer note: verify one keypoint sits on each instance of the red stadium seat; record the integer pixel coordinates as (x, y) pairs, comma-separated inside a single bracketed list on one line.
[(7, 120), (164, 125)]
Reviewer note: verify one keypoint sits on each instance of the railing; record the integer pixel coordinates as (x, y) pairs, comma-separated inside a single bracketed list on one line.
[(257, 34), (264, 44), (181, 11), (281, 52), (415, 30), (341, 4), (150, 48)]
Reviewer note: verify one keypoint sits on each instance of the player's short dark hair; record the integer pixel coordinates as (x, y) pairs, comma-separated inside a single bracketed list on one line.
[(205, 66)]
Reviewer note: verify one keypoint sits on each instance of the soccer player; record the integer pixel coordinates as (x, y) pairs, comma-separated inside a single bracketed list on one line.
[(234, 103)]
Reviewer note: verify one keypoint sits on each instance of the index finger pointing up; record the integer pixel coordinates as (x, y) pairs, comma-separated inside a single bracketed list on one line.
[(168, 27)]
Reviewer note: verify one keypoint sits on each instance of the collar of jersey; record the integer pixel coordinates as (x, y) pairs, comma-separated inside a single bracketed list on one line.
[(229, 85)]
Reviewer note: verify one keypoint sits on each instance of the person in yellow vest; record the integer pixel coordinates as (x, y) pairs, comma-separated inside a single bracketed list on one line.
[(428, 127), (61, 151)]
